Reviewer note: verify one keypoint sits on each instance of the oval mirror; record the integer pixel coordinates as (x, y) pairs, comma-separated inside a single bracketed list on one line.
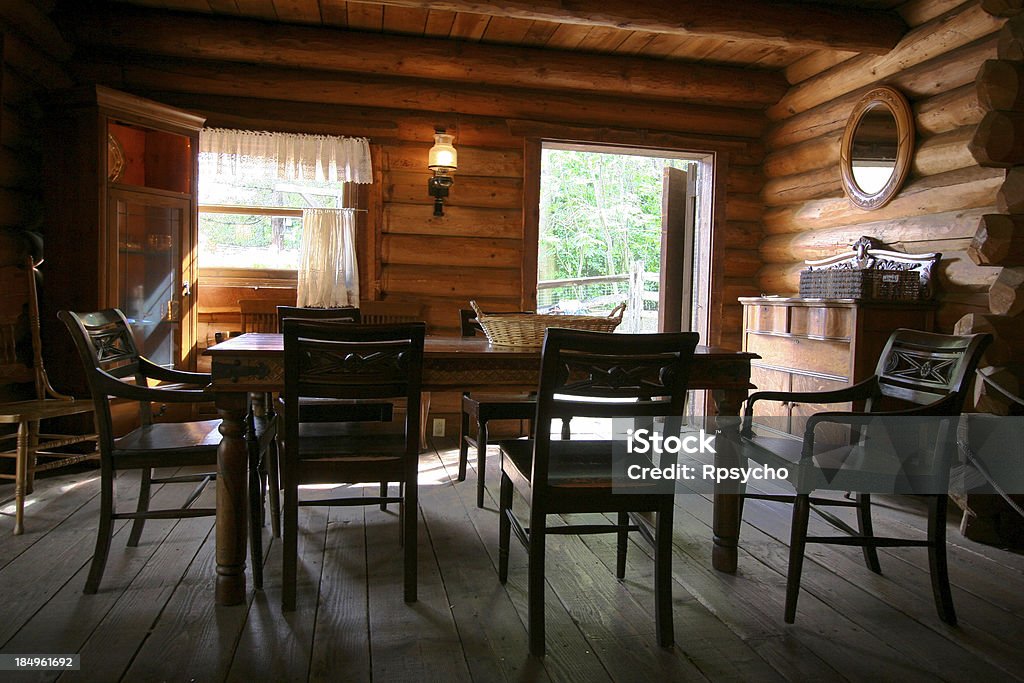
[(876, 149)]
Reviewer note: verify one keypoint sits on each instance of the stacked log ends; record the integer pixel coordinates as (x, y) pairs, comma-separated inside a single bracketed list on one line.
[(1006, 295), (1008, 336), (999, 241), (999, 139), (1010, 44), (990, 400)]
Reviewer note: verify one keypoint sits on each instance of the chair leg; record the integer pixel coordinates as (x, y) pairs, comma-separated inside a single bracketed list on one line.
[(410, 505), (255, 503), (290, 546), (33, 447), (463, 446), (535, 583), (865, 528), (145, 486), (383, 494), (937, 559), (566, 429), (21, 468), (663, 577), (274, 484), (622, 541), (104, 532), (481, 462), (504, 526), (797, 542)]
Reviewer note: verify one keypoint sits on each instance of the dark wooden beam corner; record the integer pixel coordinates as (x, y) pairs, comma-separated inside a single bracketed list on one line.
[(776, 21)]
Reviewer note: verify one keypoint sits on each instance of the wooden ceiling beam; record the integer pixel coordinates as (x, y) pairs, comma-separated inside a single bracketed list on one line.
[(129, 72), (781, 22), (236, 40)]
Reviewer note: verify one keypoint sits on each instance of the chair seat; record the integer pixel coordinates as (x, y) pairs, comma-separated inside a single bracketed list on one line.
[(840, 467), (29, 411), (583, 465), (170, 436)]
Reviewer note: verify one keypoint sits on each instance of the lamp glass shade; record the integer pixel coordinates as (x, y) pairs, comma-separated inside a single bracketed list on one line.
[(442, 156)]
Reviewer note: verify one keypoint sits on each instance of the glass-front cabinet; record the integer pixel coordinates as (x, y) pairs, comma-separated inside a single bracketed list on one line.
[(121, 220)]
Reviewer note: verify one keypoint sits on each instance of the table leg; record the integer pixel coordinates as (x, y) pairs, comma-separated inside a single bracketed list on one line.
[(728, 505), (232, 522)]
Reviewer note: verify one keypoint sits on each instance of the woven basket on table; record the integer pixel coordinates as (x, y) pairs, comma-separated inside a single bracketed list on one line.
[(527, 329)]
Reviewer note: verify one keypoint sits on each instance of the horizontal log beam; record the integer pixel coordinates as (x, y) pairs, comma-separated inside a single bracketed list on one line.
[(308, 47), (779, 22), (931, 232), (936, 112), (941, 45), (457, 221), (963, 189), (275, 83)]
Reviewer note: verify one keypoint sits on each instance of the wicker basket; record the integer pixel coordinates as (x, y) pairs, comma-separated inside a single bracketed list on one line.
[(866, 284), (527, 329)]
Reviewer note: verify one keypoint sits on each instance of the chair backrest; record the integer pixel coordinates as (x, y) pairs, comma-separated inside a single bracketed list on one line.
[(106, 346), (260, 315), (924, 367), (347, 314), (605, 375), (331, 359), (468, 323), (19, 318), (378, 312)]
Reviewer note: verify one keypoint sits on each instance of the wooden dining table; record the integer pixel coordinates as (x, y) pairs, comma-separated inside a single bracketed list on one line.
[(254, 363)]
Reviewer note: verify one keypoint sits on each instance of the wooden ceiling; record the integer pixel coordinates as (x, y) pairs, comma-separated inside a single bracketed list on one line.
[(764, 34)]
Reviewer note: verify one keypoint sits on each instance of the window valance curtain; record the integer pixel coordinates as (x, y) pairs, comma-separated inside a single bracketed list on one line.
[(297, 157)]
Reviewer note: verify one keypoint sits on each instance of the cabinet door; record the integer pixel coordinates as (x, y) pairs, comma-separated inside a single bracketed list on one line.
[(148, 232)]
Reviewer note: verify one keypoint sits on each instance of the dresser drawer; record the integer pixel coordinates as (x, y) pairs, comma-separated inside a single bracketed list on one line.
[(813, 355), (821, 321)]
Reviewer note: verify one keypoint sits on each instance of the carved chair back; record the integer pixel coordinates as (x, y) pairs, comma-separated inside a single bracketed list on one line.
[(347, 314), (604, 375)]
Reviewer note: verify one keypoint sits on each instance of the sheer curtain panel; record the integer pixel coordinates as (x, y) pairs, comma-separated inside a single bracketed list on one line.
[(329, 276)]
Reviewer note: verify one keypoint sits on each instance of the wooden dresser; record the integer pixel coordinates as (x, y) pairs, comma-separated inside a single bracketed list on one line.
[(817, 345)]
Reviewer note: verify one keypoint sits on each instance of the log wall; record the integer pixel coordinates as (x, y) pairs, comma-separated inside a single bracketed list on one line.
[(947, 192), (32, 58)]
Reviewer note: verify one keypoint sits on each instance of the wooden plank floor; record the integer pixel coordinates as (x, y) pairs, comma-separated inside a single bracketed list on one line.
[(153, 618)]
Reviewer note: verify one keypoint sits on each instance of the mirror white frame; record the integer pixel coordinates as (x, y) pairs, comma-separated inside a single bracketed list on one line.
[(897, 105)]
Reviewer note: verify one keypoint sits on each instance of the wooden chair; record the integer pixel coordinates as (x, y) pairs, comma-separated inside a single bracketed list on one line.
[(390, 312), (930, 372), (356, 410), (341, 361), (33, 450), (260, 315), (480, 408), (378, 312), (114, 368), (596, 375)]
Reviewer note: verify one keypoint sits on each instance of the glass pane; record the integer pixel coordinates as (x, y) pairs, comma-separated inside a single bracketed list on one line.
[(149, 254)]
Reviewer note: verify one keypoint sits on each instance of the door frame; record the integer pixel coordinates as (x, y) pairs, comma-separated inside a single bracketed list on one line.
[(712, 204)]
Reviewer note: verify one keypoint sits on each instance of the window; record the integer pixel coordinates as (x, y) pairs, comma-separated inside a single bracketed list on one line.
[(254, 186), (603, 222)]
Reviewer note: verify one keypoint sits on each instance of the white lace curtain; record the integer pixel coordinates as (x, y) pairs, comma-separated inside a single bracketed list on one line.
[(297, 157), (328, 275)]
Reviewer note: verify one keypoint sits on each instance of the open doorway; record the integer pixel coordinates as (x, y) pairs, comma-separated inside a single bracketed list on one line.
[(625, 225)]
